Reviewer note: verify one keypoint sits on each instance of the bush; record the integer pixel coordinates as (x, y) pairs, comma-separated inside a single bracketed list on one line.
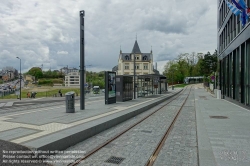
[(45, 82), (57, 81)]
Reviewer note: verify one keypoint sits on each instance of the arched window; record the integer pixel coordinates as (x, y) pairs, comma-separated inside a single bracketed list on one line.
[(126, 57), (145, 58)]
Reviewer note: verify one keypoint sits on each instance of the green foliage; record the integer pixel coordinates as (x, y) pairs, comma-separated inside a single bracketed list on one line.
[(49, 93), (209, 63), (57, 81), (36, 71), (96, 78), (190, 65), (45, 82), (52, 74)]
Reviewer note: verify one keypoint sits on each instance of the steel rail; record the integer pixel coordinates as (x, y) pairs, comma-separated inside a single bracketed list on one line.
[(157, 150), (77, 161)]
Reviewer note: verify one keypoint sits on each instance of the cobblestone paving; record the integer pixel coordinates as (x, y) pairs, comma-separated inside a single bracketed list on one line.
[(135, 146), (181, 146)]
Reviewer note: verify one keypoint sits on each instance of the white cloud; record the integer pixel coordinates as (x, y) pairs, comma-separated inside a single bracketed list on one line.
[(62, 52), (40, 32)]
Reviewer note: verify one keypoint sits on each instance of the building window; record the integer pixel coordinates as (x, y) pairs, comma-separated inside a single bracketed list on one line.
[(126, 66), (145, 67), (126, 57), (145, 58)]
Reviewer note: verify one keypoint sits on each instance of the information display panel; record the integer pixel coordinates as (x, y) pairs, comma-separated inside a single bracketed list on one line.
[(110, 87)]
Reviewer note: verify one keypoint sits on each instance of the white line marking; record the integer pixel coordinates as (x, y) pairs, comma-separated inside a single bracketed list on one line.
[(9, 104), (39, 98), (25, 104), (2, 104)]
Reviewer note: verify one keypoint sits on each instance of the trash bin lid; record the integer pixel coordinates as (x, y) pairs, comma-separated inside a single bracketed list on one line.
[(69, 93)]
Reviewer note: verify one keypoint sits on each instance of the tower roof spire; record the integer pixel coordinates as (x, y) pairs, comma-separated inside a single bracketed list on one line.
[(136, 48)]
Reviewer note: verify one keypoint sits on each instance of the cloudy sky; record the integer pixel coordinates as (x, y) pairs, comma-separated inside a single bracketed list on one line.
[(47, 31)]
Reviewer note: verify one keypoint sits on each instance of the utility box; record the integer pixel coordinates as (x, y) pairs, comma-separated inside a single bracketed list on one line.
[(218, 94), (70, 102)]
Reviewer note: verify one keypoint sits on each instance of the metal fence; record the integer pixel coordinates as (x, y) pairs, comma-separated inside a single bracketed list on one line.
[(8, 92)]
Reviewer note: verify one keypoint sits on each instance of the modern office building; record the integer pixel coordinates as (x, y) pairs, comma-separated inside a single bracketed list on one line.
[(73, 79), (233, 54)]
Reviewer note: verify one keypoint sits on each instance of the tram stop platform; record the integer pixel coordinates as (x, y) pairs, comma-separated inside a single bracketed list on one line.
[(51, 128)]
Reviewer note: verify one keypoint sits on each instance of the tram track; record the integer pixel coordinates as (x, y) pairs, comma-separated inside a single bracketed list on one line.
[(154, 155), (157, 150)]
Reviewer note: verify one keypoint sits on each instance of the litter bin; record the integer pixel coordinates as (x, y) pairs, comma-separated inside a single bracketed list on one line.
[(172, 87), (70, 102)]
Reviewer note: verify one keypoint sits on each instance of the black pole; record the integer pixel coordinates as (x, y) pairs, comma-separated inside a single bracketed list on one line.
[(160, 85), (20, 79), (134, 77), (82, 64), (172, 79)]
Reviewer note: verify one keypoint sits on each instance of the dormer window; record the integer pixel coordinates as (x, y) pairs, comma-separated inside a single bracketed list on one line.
[(126, 57), (145, 58)]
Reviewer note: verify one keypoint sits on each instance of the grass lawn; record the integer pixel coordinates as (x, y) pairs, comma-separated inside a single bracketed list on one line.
[(43, 92)]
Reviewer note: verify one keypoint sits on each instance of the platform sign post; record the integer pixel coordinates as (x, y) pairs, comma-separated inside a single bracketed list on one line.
[(110, 87), (82, 61)]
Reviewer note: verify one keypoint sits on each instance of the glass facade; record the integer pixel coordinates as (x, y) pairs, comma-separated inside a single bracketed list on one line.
[(234, 55), (235, 74)]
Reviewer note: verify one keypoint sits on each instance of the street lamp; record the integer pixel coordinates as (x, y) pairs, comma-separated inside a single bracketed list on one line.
[(20, 77), (134, 78), (82, 60)]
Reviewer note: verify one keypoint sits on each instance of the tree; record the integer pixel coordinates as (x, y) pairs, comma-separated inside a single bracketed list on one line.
[(209, 63), (36, 72), (190, 65)]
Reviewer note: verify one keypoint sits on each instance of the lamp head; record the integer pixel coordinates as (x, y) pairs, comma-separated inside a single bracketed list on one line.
[(82, 13)]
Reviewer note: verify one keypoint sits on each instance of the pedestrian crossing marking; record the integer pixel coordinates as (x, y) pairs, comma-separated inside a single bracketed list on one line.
[(9, 104), (2, 104), (25, 104)]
